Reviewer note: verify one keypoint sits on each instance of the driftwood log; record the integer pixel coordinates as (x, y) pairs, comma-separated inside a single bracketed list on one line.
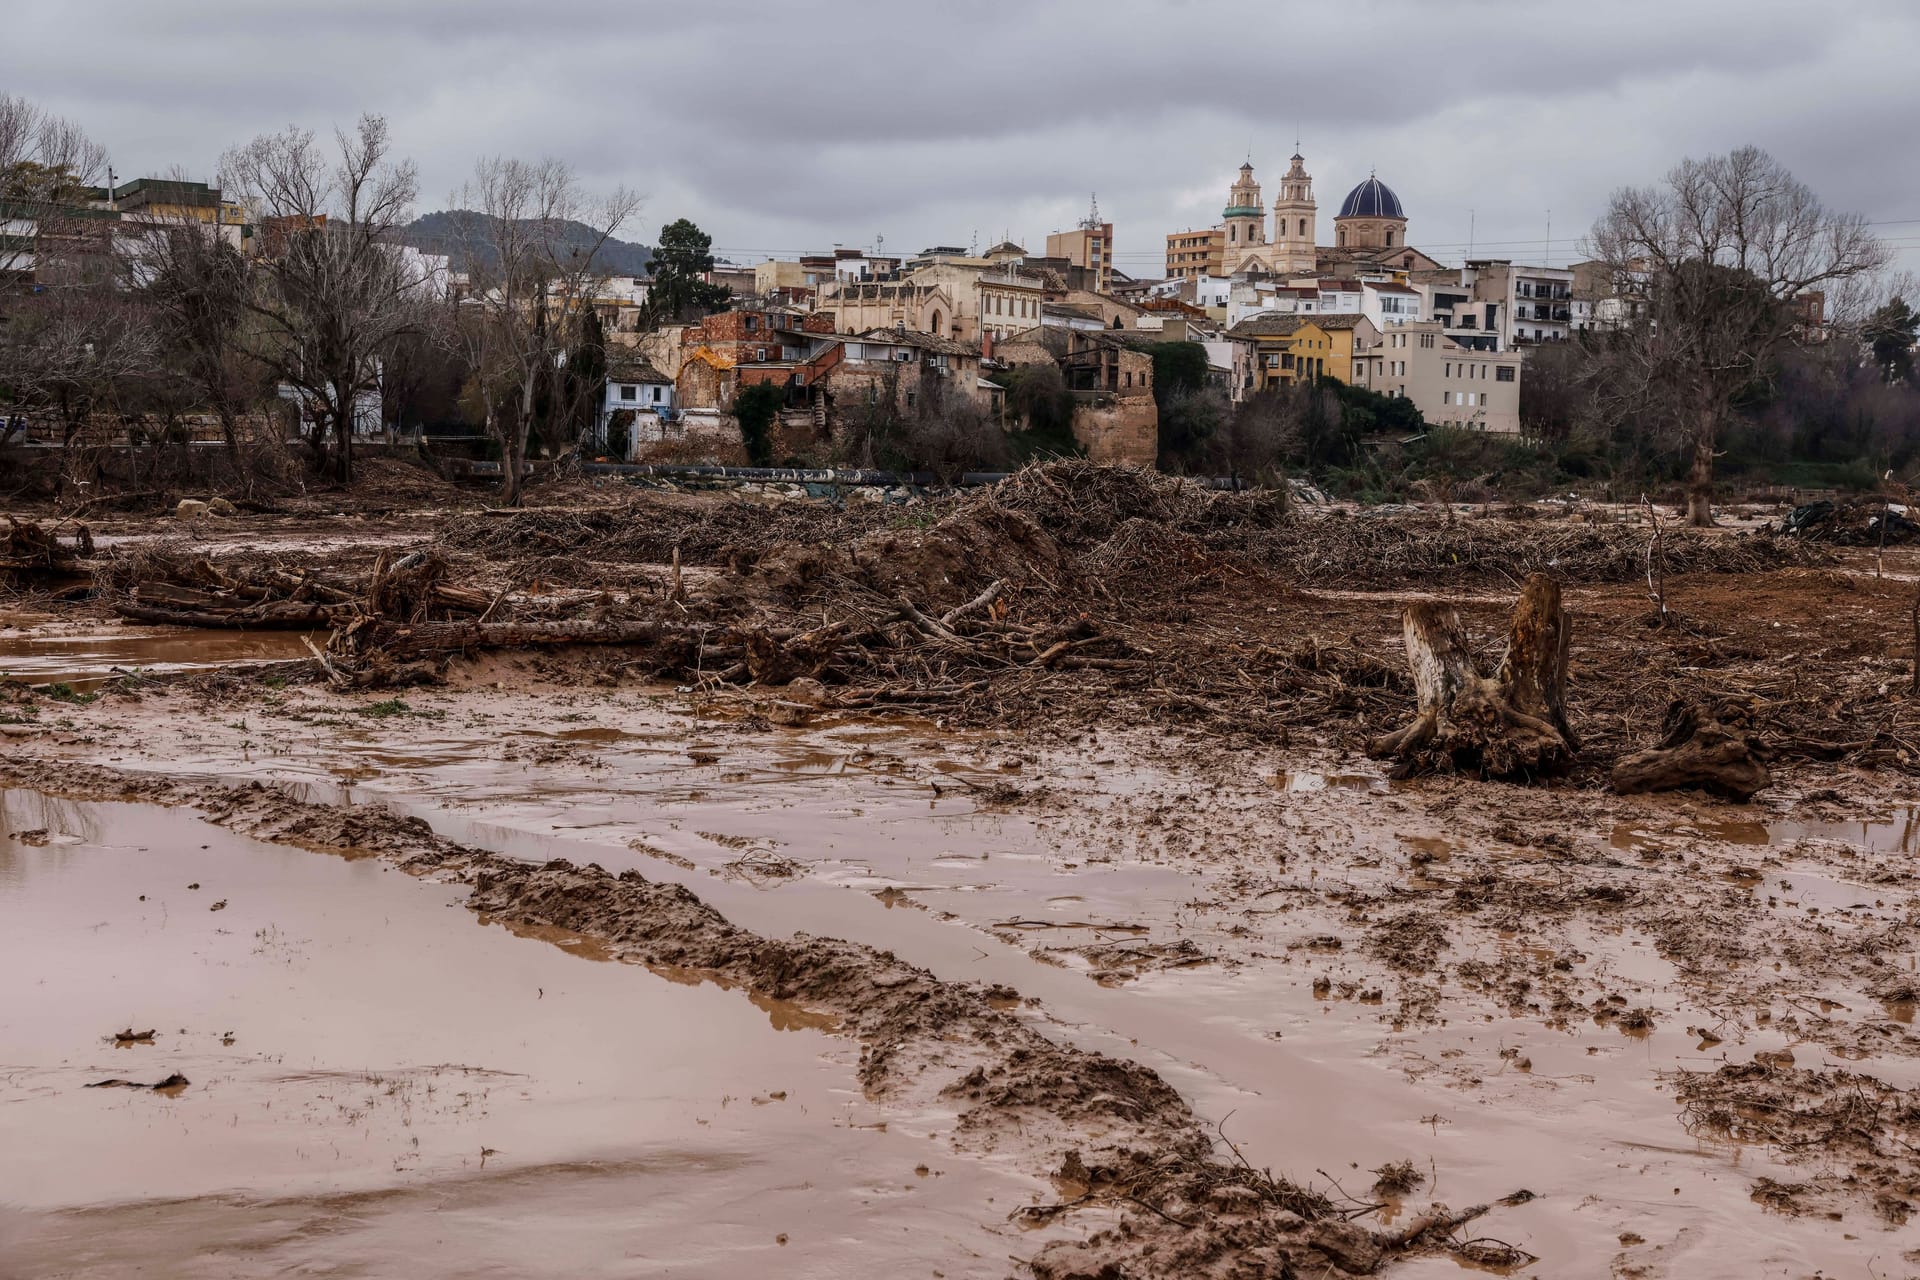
[(1510, 724), (1710, 748), (445, 637)]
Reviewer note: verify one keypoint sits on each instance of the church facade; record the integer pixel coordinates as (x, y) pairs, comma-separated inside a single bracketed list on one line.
[(1370, 230)]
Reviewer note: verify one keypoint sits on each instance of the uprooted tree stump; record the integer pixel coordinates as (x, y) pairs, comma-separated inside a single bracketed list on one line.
[(1510, 724), (1711, 748)]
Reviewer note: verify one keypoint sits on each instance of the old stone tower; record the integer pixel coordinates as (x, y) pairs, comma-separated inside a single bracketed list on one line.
[(1246, 219), (1294, 222)]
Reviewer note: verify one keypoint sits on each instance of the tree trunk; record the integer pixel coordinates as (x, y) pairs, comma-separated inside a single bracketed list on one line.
[(229, 432), (1700, 477), (1510, 724), (1709, 749), (435, 637), (343, 464)]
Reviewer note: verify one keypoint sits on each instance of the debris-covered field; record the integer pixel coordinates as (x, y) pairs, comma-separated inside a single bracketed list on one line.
[(1083, 822)]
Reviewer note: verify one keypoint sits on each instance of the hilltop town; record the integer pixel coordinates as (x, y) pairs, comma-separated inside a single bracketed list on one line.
[(950, 359)]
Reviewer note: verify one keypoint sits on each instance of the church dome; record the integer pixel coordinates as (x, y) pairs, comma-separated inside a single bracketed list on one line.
[(1371, 199)]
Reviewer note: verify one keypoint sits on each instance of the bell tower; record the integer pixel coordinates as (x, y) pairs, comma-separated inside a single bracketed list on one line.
[(1245, 217), (1295, 221)]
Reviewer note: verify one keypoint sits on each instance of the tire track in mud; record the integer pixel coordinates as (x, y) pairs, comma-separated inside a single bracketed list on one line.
[(1113, 1135)]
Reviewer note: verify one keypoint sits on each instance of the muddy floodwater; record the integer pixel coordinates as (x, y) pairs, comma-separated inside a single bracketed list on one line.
[(1319, 960), (361, 1077), (85, 657)]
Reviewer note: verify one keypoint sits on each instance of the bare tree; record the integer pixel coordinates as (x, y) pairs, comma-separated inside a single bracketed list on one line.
[(50, 236), (332, 289), (532, 240), (77, 349), (196, 286), (1726, 251), (47, 163)]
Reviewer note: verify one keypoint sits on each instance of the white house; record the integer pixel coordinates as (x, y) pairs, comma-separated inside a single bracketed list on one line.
[(636, 388)]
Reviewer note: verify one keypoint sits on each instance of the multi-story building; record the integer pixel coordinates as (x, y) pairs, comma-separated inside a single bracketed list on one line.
[(1303, 348), (859, 306), (1536, 303), (1450, 384), (1088, 246), (1192, 254)]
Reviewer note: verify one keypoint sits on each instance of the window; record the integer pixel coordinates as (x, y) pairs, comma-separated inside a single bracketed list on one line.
[(1503, 374), (910, 399), (1303, 227), (627, 393), (1449, 374), (759, 353), (656, 395), (1389, 239), (753, 322)]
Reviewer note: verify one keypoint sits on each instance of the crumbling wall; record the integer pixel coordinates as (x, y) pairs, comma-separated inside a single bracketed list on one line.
[(703, 383), (1118, 430)]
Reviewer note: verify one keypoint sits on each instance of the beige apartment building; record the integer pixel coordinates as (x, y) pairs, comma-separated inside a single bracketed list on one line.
[(1089, 246), (1451, 385), (1196, 253)]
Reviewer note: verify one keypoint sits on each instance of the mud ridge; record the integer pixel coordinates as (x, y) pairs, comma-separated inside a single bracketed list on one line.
[(1111, 1133)]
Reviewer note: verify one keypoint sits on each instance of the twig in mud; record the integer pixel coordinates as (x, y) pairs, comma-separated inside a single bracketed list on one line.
[(1656, 590), (1162, 1212), (326, 664), (1442, 1224), (974, 605)]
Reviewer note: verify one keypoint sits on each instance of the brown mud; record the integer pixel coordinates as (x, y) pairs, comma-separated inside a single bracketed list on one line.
[(359, 1070), (1131, 920)]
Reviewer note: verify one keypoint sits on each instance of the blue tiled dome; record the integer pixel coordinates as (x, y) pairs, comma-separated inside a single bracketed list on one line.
[(1371, 199)]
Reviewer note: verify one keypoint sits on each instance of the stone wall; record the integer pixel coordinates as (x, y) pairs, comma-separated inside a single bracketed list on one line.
[(1118, 430)]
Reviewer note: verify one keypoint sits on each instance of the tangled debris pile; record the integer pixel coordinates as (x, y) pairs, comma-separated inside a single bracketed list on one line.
[(1066, 593), (1853, 1131), (1852, 524), (33, 550)]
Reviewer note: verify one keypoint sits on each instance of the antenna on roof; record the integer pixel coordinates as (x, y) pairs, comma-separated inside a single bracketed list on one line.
[(1092, 221), (973, 245)]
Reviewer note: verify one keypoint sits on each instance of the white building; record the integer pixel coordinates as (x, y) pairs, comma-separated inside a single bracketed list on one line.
[(636, 388)]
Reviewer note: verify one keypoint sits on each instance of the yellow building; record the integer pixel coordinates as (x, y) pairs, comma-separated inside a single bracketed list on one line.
[(1304, 348), (171, 201)]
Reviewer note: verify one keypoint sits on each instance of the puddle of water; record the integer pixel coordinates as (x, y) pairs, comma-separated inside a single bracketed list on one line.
[(1312, 782), (84, 660), (1899, 832), (379, 1082)]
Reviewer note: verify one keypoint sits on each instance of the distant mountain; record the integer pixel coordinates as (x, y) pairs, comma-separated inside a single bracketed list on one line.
[(457, 231)]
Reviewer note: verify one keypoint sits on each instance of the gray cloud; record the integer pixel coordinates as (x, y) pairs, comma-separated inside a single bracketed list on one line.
[(784, 127)]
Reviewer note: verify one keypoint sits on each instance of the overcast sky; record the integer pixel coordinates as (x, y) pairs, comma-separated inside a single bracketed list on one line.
[(789, 126)]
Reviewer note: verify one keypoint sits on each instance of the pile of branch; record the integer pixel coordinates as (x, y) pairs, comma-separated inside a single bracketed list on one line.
[(192, 591), (30, 549)]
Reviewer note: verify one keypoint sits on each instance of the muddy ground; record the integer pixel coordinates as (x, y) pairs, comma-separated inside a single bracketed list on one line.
[(1166, 975)]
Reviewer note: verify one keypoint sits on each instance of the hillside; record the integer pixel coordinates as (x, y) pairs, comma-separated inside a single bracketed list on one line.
[(456, 232)]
